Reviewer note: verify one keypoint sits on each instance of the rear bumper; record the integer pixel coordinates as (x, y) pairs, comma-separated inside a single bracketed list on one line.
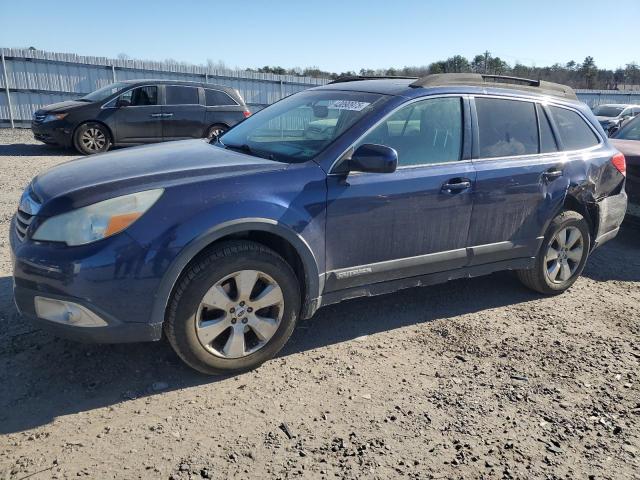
[(611, 212)]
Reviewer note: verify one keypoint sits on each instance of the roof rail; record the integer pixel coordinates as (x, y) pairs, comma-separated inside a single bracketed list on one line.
[(361, 77), (478, 79)]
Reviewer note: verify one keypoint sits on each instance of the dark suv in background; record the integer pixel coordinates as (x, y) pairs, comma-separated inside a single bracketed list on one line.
[(406, 182), (137, 112)]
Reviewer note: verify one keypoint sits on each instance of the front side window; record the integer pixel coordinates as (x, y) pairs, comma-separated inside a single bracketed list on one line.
[(506, 128), (423, 132), (216, 98), (299, 127), (140, 96), (179, 95), (574, 132)]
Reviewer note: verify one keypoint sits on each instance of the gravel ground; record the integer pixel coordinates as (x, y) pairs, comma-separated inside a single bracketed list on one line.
[(476, 378)]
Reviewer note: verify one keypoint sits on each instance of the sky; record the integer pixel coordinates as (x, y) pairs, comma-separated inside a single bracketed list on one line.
[(333, 35)]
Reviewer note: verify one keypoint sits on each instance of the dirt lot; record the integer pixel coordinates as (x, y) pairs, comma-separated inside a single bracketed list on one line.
[(477, 378)]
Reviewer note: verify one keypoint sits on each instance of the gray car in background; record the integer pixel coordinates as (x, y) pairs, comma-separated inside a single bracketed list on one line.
[(613, 116)]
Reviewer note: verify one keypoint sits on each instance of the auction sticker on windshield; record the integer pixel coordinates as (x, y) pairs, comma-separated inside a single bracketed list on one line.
[(348, 105)]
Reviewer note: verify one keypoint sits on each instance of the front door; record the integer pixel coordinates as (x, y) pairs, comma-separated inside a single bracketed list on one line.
[(138, 117), (183, 115), (415, 221), (520, 183)]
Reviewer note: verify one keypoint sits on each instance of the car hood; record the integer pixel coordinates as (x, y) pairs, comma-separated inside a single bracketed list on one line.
[(630, 149), (62, 106), (605, 119), (90, 179)]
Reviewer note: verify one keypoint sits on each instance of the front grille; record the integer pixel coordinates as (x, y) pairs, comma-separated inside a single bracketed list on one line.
[(23, 220)]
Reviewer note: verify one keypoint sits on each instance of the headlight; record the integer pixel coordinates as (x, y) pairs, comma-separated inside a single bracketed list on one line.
[(97, 221), (54, 116)]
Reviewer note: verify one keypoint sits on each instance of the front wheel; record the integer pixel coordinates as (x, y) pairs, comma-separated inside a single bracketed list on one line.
[(91, 138), (233, 309), (562, 255)]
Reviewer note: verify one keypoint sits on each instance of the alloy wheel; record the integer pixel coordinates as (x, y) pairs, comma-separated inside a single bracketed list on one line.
[(564, 254), (93, 139), (239, 314)]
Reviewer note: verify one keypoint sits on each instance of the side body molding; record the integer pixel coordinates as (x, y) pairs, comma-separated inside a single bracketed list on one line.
[(311, 271)]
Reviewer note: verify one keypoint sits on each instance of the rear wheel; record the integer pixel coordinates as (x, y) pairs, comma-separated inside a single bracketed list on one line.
[(216, 131), (233, 309), (91, 138), (562, 255)]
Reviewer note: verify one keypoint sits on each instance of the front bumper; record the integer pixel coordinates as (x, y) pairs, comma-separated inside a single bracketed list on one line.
[(53, 133), (611, 212), (111, 278)]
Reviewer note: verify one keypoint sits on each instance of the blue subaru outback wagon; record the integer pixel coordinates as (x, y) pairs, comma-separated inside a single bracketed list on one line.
[(360, 187)]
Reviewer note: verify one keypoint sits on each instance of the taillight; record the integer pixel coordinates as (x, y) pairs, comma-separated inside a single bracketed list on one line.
[(247, 114), (620, 163)]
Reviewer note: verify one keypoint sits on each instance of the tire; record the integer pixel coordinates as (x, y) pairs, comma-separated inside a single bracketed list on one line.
[(91, 137), (215, 131), (202, 334), (568, 231)]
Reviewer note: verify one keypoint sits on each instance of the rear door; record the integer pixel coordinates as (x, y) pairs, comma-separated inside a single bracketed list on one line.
[(137, 116), (183, 113), (521, 181), (384, 226)]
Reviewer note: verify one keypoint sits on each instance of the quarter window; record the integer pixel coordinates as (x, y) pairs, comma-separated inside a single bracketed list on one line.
[(178, 95), (216, 98), (507, 128), (424, 132), (574, 132)]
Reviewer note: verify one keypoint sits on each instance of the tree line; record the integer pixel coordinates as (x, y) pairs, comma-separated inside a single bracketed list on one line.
[(577, 75)]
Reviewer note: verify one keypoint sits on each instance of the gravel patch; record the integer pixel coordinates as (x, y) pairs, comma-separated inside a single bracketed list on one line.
[(477, 378)]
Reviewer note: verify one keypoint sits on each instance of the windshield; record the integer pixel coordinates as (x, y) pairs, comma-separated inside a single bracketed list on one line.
[(104, 92), (631, 131), (299, 127), (607, 111)]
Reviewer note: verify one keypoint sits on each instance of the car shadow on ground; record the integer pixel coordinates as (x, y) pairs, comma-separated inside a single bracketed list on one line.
[(34, 150), (44, 377), (604, 264)]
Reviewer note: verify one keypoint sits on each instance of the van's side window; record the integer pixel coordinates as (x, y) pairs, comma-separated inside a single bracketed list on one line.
[(140, 96), (574, 132), (507, 128), (547, 140), (178, 95)]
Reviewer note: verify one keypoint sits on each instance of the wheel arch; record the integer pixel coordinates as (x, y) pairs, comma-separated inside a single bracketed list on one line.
[(211, 125), (84, 122), (587, 210), (290, 245)]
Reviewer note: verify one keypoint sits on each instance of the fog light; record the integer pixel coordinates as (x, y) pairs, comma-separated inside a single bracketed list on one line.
[(68, 313)]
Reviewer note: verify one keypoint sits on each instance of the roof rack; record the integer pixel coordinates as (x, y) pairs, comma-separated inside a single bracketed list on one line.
[(357, 78), (478, 79)]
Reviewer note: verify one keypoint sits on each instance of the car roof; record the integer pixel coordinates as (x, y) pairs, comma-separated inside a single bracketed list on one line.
[(146, 81)]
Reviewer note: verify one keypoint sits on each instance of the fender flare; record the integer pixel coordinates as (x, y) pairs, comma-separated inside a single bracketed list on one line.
[(179, 263)]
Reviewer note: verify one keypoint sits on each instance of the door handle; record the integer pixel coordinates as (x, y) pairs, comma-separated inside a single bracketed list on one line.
[(155, 115), (552, 174), (456, 185), (167, 115)]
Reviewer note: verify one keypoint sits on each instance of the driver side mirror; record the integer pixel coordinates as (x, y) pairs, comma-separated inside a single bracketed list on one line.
[(373, 158), (121, 102)]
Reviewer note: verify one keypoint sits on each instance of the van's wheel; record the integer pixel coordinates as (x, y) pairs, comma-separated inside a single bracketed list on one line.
[(91, 138), (233, 309), (216, 131), (562, 255)]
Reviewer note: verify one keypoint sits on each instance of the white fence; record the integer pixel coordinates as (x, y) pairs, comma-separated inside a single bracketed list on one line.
[(31, 79)]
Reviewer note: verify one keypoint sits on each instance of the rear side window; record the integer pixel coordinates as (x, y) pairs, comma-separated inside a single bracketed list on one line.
[(547, 140), (507, 128), (574, 132), (178, 95), (216, 98)]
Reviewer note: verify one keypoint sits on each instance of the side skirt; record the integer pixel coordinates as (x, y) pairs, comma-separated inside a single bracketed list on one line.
[(391, 286)]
